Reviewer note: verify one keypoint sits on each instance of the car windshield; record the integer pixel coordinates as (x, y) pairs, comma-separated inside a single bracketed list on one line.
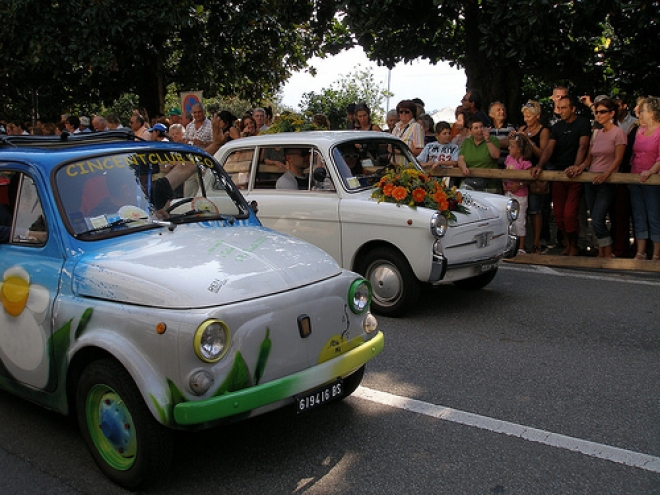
[(114, 194), (361, 162)]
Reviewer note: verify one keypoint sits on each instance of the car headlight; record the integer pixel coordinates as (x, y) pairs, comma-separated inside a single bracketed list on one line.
[(512, 209), (211, 341), (359, 296), (370, 323), (438, 225)]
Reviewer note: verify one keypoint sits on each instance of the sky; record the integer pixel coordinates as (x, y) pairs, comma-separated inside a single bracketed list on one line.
[(438, 86)]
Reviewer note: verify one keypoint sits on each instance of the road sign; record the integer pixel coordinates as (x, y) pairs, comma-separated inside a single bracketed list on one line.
[(189, 99)]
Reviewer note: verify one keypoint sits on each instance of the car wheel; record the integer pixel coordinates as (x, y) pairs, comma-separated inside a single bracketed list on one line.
[(478, 282), (395, 287), (352, 382), (126, 442)]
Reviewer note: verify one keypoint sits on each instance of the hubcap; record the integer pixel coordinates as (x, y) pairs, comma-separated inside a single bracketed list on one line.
[(111, 427), (386, 283)]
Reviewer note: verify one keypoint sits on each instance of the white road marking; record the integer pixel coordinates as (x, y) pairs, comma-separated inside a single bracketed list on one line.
[(545, 270), (593, 449)]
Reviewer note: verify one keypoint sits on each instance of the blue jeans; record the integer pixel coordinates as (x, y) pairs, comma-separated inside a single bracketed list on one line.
[(599, 198), (645, 201)]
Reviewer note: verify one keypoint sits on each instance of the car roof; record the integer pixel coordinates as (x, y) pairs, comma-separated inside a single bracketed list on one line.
[(48, 151), (322, 139)]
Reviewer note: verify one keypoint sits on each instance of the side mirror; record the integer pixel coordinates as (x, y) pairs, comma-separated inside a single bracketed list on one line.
[(320, 174)]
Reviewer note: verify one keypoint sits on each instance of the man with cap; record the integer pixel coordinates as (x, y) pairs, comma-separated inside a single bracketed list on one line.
[(175, 116), (159, 132)]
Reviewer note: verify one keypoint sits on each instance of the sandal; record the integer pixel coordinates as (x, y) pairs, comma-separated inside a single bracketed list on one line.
[(640, 256), (536, 249), (656, 258)]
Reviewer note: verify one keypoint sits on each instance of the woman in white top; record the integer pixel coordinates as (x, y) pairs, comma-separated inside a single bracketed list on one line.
[(407, 128)]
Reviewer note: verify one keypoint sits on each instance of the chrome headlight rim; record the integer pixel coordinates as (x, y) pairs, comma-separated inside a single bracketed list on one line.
[(438, 225), (357, 300), (512, 209), (203, 333)]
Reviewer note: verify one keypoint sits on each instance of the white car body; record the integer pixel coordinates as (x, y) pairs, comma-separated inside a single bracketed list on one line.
[(394, 246)]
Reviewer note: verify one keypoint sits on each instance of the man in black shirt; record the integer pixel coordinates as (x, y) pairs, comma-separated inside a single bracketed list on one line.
[(568, 146)]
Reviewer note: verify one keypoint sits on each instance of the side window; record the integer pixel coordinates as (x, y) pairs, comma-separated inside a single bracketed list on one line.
[(272, 164), (321, 178), (238, 166), (28, 225)]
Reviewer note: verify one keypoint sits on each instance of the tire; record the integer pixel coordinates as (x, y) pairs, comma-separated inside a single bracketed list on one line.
[(352, 382), (395, 287), (478, 282), (126, 442)]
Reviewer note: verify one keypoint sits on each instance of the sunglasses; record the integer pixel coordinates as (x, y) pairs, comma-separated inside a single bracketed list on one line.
[(601, 112), (405, 111)]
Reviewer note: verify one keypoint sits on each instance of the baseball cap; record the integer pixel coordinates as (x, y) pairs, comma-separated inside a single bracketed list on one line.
[(158, 127)]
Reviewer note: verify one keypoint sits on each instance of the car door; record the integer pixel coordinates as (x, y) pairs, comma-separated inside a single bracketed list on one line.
[(30, 266), (310, 213)]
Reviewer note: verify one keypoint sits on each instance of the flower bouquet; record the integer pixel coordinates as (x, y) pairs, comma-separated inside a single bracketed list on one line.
[(291, 122), (411, 187)]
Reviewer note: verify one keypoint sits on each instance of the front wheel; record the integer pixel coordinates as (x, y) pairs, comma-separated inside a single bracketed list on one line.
[(126, 442), (478, 282), (395, 287)]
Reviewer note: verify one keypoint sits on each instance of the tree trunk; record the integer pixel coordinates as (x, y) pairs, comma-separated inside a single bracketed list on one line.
[(495, 81), (151, 87)]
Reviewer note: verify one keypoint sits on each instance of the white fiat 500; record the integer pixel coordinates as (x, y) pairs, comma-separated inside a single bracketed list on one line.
[(318, 186), (139, 319)]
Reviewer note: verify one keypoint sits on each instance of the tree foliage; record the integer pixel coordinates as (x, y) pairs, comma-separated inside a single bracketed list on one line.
[(86, 52), (588, 46), (358, 87)]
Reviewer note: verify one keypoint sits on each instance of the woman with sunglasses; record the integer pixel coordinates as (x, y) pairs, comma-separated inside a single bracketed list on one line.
[(407, 129), (608, 145)]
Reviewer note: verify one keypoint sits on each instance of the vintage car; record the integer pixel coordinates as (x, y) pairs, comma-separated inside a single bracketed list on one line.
[(397, 248), (138, 318)]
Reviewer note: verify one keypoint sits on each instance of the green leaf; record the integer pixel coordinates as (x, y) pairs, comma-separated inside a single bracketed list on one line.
[(238, 378)]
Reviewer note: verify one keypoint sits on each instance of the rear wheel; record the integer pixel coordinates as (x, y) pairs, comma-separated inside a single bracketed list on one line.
[(395, 287), (478, 282), (126, 442)]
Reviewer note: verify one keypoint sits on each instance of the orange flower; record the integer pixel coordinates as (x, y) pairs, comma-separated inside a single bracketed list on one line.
[(439, 196), (459, 197), (443, 205), (399, 193), (387, 189), (418, 195)]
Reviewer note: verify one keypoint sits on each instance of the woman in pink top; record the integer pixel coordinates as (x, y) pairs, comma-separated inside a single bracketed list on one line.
[(608, 145), (646, 161)]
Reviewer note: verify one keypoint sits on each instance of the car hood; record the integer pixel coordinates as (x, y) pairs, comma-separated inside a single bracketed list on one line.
[(194, 267), (480, 206)]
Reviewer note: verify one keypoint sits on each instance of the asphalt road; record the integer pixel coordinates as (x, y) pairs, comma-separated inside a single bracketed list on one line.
[(546, 382)]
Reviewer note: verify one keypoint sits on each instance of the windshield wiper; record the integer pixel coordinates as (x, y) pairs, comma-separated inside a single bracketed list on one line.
[(115, 223)]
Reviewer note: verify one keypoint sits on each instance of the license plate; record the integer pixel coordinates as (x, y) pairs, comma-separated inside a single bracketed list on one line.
[(320, 396), (486, 267)]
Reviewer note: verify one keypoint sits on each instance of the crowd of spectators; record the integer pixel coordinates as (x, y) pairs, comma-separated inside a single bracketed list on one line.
[(606, 140)]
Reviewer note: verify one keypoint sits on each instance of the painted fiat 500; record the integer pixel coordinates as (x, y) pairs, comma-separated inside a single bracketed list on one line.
[(139, 315), (397, 248)]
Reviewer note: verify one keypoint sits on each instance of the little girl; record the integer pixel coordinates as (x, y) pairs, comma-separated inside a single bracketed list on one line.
[(520, 151)]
